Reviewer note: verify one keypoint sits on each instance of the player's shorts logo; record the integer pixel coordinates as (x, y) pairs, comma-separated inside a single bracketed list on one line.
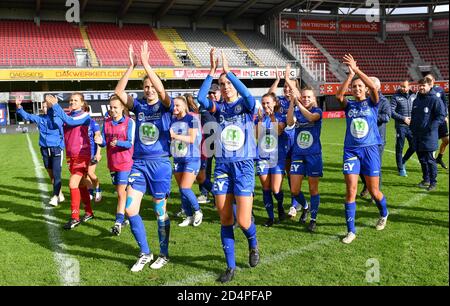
[(148, 133), (359, 128), (305, 139), (232, 137)]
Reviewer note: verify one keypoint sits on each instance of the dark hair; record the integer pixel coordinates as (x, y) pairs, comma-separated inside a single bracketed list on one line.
[(275, 98), (424, 81)]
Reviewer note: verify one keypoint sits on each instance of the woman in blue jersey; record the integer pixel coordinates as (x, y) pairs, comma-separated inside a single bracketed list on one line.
[(185, 148), (307, 149), (234, 174), (152, 171), (51, 143), (361, 144), (270, 165)]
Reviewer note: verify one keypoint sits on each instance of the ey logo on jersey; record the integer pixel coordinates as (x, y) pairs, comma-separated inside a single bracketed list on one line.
[(359, 128), (148, 133), (232, 138), (305, 139)]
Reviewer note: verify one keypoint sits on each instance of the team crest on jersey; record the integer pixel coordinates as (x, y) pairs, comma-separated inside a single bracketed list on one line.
[(426, 110), (438, 94), (221, 119), (238, 109), (281, 110), (364, 104), (156, 107), (141, 116)]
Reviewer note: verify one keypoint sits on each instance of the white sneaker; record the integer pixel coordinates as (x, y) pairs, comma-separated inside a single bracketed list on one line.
[(381, 223), (53, 201), (292, 212), (160, 262), (349, 238), (187, 221), (180, 214), (203, 199), (141, 262), (198, 217), (98, 196), (61, 197)]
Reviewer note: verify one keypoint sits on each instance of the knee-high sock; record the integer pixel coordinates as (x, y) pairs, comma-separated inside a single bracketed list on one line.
[(86, 200), (279, 197), (382, 206), (250, 233), (163, 227), (227, 237), (75, 199), (350, 212), (301, 200), (191, 198), (315, 202), (185, 205), (294, 202), (138, 230), (120, 218), (268, 203)]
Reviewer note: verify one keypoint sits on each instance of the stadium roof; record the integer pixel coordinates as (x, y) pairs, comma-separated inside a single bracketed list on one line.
[(229, 10)]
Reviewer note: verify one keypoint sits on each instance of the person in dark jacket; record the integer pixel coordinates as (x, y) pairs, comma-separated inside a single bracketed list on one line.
[(426, 116), (443, 128), (401, 106), (384, 115), (51, 142)]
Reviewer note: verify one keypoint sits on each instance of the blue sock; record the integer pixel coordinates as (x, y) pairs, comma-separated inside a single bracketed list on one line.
[(382, 207), (163, 236), (301, 200), (120, 218), (350, 212), (279, 197), (91, 192), (186, 206), (250, 233), (268, 203), (98, 189), (315, 201), (191, 198), (138, 230), (227, 237), (294, 202), (206, 187)]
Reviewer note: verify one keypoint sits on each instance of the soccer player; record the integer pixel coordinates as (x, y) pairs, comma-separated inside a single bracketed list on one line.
[(362, 139), (443, 128), (92, 178), (51, 143), (204, 176), (118, 134), (401, 106), (78, 147), (426, 117), (270, 165), (383, 117), (234, 173), (307, 149), (152, 171), (289, 134), (185, 148)]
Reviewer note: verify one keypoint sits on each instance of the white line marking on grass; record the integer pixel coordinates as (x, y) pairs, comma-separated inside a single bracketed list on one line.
[(69, 267), (209, 276)]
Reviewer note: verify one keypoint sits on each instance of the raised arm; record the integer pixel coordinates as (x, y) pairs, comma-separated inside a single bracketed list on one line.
[(202, 96), (351, 63), (83, 119), (122, 84), (340, 94), (249, 100), (159, 87), (273, 89), (25, 116), (290, 113)]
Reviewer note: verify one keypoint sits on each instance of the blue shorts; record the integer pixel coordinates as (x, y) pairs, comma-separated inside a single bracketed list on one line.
[(236, 178), (264, 167), (307, 165), (364, 160), (50, 155), (190, 167), (151, 176), (119, 177)]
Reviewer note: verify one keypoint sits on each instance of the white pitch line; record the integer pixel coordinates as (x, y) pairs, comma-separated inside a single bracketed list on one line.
[(208, 276), (69, 267)]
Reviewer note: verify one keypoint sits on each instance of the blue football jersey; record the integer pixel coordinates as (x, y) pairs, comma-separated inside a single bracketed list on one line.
[(307, 134), (181, 151)]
